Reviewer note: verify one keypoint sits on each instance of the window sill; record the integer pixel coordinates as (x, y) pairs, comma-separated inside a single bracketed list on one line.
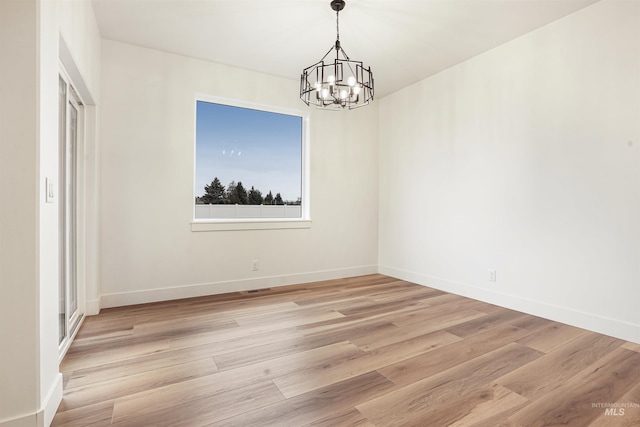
[(230, 225)]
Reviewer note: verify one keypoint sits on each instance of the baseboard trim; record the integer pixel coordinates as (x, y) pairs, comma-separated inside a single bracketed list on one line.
[(51, 403), (44, 416), (202, 289), (25, 421), (603, 325), (92, 307)]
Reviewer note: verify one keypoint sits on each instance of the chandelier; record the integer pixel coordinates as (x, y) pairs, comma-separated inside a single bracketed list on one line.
[(341, 83)]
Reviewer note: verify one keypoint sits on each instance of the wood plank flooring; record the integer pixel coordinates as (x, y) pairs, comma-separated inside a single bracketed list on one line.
[(362, 351)]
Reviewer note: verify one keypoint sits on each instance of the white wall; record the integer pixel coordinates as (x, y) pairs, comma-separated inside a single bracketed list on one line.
[(19, 361), (31, 386), (147, 158), (525, 160)]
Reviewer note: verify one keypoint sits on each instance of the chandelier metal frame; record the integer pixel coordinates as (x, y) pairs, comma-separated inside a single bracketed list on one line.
[(342, 83)]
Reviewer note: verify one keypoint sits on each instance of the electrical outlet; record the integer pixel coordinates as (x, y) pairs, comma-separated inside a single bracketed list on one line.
[(255, 265), (492, 275)]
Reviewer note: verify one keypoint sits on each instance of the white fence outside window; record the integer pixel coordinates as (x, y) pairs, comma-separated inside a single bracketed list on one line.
[(247, 211)]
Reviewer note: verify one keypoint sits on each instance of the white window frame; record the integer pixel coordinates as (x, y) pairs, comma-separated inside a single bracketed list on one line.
[(227, 224)]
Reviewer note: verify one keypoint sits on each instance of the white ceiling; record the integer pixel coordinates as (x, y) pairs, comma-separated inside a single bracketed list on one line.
[(403, 41)]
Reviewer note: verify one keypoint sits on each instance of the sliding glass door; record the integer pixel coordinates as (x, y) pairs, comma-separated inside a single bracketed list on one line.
[(70, 137)]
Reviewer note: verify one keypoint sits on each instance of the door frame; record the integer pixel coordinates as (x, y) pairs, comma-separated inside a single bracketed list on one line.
[(75, 244)]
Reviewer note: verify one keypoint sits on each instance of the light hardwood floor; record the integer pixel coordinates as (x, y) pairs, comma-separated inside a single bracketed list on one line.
[(363, 351)]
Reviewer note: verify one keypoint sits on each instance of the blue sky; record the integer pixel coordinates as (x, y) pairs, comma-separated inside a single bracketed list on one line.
[(259, 148)]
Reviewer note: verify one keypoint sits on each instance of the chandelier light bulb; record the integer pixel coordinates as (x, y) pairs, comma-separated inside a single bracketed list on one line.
[(351, 81)]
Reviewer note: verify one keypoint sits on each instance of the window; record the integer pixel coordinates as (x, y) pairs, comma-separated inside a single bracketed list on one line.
[(250, 167)]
